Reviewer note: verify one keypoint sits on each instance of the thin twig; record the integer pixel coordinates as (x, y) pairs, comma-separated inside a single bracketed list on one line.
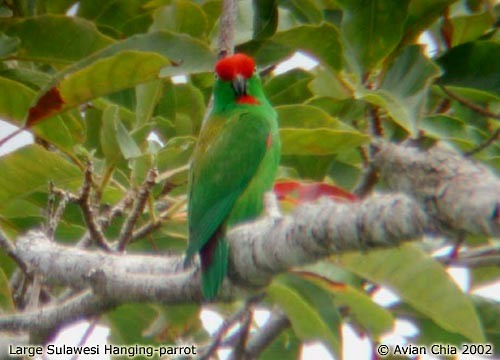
[(368, 180), (227, 324), (479, 109), (267, 334), (10, 250), (56, 216), (243, 332), (95, 230), (485, 144), (128, 226), (86, 335), (219, 334)]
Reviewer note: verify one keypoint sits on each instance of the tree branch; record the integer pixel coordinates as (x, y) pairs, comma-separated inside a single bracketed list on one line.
[(264, 337), (443, 190), (457, 193), (480, 110), (227, 22)]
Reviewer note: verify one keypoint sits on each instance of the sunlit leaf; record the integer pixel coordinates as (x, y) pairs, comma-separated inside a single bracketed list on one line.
[(320, 141), (423, 283), (30, 169), (306, 321)]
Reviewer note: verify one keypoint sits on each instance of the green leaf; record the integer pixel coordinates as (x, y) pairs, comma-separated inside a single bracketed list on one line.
[(147, 96), (265, 18), (421, 14), (129, 322), (320, 41), (395, 108), (30, 169), (15, 100), (470, 27), (109, 75), (113, 17), (127, 145), (305, 116), (190, 109), (489, 312), (372, 29), (370, 315), (408, 79), (289, 88), (182, 17), (286, 346), (8, 45), (54, 38), (320, 141), (470, 65), (6, 302), (423, 283), (116, 142), (307, 323), (304, 10)]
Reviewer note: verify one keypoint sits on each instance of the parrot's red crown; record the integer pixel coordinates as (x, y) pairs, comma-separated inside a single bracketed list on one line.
[(237, 64)]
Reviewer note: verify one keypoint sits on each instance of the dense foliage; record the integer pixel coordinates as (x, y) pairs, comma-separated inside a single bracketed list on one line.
[(100, 84)]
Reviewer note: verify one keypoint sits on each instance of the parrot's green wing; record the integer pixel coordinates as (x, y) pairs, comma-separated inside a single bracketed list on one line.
[(226, 159)]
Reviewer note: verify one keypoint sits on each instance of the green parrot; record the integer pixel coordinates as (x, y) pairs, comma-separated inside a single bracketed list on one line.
[(234, 164)]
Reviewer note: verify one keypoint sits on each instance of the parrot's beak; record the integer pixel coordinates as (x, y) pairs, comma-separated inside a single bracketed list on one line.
[(240, 85)]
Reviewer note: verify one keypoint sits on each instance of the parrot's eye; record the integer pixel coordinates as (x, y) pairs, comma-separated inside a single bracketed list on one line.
[(216, 76)]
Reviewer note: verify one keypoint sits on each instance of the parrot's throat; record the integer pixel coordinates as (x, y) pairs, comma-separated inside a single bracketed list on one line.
[(247, 99)]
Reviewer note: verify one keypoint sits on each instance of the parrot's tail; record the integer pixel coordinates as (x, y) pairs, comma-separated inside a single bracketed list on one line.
[(214, 257)]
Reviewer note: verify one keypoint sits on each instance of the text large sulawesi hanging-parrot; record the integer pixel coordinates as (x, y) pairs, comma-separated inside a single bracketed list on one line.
[(234, 164)]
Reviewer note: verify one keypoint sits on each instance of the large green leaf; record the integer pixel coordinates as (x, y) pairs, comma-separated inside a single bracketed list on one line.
[(15, 100), (405, 87), (113, 16), (472, 65), (372, 29), (181, 16), (304, 10), (319, 141), (288, 88), (189, 55), (489, 312), (286, 346), (305, 116), (129, 322), (362, 308), (470, 27), (306, 320), (320, 41), (54, 38), (421, 14), (265, 18), (30, 169), (109, 75), (147, 96), (423, 283)]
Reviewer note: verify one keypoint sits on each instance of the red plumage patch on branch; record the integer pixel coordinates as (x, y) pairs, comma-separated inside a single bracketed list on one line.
[(48, 104), (297, 192)]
